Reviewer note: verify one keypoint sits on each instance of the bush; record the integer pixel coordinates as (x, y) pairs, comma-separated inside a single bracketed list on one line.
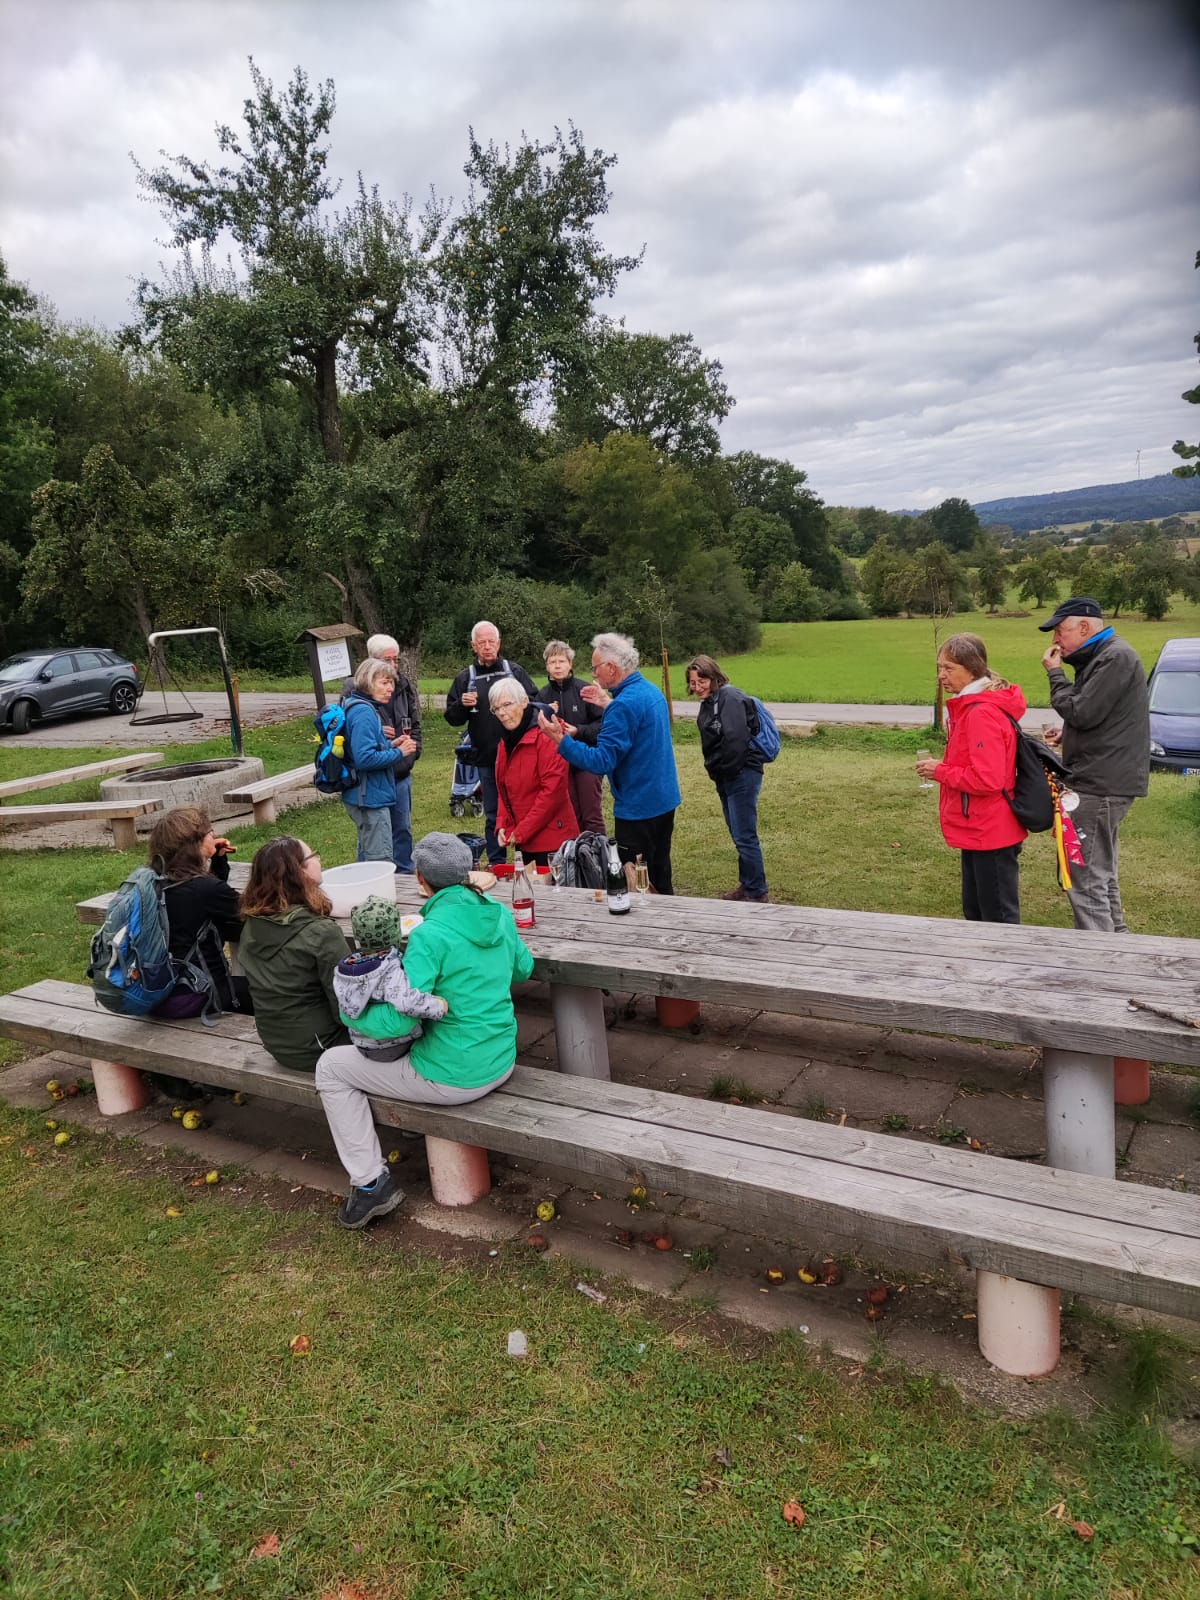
[(843, 608)]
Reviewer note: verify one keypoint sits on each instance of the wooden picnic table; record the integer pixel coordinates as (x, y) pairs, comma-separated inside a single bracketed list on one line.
[(1060, 989)]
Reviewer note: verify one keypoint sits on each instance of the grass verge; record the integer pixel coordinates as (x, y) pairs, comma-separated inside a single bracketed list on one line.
[(157, 1429)]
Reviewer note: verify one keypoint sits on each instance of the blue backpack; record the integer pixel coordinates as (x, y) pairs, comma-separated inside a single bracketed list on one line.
[(131, 967), (765, 738), (333, 771)]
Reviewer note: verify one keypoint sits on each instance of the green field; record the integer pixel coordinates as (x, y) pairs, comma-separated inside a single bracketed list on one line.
[(890, 660)]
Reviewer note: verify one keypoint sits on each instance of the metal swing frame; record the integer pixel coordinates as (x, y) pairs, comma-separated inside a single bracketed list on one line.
[(160, 667)]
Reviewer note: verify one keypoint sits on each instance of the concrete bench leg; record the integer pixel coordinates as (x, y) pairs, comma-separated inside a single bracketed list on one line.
[(1018, 1324), (118, 1088), (264, 810), (1077, 1089), (124, 833), (580, 1031), (459, 1173)]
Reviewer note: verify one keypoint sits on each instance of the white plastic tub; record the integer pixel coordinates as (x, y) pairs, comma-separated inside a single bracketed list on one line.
[(349, 886)]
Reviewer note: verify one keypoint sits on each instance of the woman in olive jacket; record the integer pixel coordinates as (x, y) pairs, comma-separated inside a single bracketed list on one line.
[(289, 948)]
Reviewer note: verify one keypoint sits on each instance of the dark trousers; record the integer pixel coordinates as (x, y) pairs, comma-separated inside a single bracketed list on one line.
[(491, 802), (649, 837), (585, 791), (991, 890)]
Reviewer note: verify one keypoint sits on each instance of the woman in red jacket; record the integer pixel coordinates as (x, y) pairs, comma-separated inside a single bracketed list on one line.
[(976, 775), (534, 810)]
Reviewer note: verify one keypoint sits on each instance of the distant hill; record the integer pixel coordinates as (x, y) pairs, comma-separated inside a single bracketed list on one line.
[(1137, 501)]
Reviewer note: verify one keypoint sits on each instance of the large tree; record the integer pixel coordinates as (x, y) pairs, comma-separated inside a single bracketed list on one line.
[(956, 523), (662, 388), (777, 487), (28, 393)]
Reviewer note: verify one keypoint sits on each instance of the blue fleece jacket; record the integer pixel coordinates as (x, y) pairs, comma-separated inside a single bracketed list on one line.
[(373, 758), (633, 751)]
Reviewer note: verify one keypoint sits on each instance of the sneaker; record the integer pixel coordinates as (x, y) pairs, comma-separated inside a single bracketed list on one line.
[(364, 1205)]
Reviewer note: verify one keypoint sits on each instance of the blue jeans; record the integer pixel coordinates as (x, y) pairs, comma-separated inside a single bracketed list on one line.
[(739, 802), (402, 826)]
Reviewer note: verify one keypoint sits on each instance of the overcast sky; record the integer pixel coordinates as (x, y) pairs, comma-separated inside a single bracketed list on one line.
[(940, 248)]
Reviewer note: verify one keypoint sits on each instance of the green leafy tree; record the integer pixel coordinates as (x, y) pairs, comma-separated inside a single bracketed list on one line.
[(790, 595), (938, 585), (1037, 576), (955, 523), (760, 541), (121, 552), (1189, 453), (991, 573), (28, 393), (1157, 572), (777, 487), (888, 578), (663, 388)]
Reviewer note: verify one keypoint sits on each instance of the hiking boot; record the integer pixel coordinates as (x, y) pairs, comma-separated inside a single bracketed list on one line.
[(741, 893), (364, 1205)]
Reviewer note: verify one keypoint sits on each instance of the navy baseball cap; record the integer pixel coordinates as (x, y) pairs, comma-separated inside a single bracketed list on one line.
[(1081, 605)]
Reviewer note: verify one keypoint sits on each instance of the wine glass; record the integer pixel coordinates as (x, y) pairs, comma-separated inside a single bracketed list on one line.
[(556, 872), (641, 877), (926, 755)]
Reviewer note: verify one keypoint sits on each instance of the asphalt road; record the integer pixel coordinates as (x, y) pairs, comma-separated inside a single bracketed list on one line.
[(260, 709)]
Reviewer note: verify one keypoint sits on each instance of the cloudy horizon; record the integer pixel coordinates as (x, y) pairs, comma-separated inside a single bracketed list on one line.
[(940, 250)]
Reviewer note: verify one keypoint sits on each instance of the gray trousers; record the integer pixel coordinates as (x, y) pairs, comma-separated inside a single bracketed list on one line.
[(1095, 895), (373, 825), (345, 1077)]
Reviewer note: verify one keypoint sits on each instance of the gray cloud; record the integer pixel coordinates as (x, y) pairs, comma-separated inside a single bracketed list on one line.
[(940, 249)]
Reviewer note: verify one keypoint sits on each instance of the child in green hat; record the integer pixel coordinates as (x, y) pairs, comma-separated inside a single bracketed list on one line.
[(375, 999)]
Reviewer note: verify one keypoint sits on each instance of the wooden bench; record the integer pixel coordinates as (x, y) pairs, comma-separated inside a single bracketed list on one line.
[(262, 795), (121, 813), (93, 769), (1015, 1225)]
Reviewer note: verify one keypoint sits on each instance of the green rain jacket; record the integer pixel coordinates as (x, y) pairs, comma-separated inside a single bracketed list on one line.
[(467, 950), (289, 960)]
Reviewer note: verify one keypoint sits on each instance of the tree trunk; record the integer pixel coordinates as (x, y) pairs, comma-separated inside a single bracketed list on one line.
[(410, 659), (329, 410), (365, 597)]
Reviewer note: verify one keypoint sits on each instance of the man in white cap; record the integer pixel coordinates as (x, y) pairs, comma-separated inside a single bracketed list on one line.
[(1105, 743)]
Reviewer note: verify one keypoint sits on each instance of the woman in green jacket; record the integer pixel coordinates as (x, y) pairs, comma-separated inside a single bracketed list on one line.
[(467, 951), (289, 948)]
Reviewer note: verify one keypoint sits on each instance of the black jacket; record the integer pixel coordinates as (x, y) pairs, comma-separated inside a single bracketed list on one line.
[(481, 724), (567, 699), (1106, 718), (193, 902), (727, 722)]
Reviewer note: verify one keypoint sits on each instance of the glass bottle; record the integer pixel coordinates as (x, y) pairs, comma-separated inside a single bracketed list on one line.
[(641, 876), (617, 884), (522, 894)]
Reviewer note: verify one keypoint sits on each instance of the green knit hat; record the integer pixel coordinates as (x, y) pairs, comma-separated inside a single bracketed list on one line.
[(376, 925)]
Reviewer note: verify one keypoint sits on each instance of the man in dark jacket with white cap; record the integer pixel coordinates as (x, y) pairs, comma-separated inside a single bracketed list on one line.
[(1105, 743)]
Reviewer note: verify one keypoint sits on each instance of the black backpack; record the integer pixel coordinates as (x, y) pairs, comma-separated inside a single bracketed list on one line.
[(1031, 798)]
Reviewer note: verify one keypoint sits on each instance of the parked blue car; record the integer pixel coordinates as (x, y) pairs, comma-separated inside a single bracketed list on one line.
[(1175, 708)]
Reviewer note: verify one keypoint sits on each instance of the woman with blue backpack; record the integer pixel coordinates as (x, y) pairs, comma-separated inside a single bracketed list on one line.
[(738, 737), (373, 758)]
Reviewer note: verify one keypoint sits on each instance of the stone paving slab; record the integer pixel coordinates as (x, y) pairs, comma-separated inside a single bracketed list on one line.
[(867, 1095), (1164, 1153)]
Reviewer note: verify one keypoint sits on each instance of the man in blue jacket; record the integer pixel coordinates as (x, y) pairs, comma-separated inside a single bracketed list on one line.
[(634, 751)]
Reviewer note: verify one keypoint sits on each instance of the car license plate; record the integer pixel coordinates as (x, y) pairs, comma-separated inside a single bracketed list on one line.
[(1191, 772)]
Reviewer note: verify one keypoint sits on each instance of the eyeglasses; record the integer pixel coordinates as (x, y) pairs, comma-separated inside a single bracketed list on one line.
[(313, 855)]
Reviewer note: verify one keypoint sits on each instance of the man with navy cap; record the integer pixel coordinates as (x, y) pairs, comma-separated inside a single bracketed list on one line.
[(1105, 743)]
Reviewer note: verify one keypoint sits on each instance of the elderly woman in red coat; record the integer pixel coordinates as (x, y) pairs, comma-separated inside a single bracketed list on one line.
[(534, 811)]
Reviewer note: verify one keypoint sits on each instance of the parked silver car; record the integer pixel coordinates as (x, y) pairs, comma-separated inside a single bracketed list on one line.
[(38, 684)]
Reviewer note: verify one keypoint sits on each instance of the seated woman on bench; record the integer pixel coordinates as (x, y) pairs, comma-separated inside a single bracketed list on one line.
[(202, 910), (289, 948), (467, 952)]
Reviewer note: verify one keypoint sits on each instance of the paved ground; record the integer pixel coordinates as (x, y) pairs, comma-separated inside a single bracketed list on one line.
[(834, 1071), (260, 709)]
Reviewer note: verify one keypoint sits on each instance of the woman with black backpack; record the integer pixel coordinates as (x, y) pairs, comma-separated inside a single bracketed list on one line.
[(728, 722)]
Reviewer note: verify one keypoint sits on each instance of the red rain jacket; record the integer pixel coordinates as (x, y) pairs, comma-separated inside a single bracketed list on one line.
[(980, 762), (534, 801)]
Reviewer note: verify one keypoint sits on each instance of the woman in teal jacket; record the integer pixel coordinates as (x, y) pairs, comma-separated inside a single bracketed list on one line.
[(466, 951)]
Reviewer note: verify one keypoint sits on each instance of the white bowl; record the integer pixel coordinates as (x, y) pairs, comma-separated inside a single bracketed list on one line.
[(350, 885)]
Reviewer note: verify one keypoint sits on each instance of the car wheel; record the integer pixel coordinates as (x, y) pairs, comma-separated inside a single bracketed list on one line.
[(122, 700), (22, 716)]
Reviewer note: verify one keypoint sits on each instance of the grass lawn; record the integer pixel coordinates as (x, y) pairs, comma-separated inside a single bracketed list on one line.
[(890, 660), (156, 1428)]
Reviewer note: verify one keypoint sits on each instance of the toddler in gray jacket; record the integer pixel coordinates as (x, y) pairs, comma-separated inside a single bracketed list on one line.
[(375, 999)]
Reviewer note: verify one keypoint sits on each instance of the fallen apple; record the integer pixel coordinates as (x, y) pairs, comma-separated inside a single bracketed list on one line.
[(878, 1293), (52, 1085), (212, 1177), (300, 1345), (806, 1275), (192, 1120), (546, 1211), (61, 1138), (775, 1274), (51, 1124), (664, 1241)]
